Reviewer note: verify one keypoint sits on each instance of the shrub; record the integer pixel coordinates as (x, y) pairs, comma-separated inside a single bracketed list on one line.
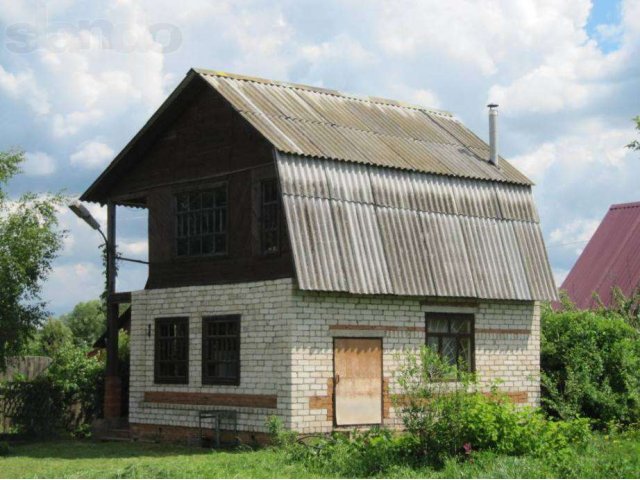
[(590, 365), (443, 409), (80, 379), (360, 453)]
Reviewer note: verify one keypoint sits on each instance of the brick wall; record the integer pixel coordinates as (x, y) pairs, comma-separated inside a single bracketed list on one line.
[(287, 350), (507, 348), (263, 354)]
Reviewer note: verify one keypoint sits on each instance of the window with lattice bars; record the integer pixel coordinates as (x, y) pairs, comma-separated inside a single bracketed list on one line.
[(451, 336), (221, 350), (269, 217), (201, 222), (172, 350)]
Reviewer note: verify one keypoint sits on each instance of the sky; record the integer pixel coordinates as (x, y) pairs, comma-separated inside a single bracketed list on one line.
[(78, 80)]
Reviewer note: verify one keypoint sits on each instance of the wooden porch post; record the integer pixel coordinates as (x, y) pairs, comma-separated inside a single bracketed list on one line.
[(112, 390)]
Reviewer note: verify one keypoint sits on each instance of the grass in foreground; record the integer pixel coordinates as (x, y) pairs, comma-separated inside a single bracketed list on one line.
[(606, 457)]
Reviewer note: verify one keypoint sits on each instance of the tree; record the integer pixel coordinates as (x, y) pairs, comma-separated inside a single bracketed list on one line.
[(53, 337), (635, 144), (87, 322), (29, 241)]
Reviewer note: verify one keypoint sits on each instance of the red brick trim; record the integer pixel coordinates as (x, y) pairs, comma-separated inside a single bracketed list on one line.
[(386, 398), (395, 328), (383, 328), (504, 331), (317, 402), (222, 399), (515, 397)]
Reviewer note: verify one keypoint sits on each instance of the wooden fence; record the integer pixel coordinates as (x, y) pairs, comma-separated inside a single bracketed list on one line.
[(28, 368)]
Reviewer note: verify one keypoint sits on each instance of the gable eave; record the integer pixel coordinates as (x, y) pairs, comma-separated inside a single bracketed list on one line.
[(99, 190)]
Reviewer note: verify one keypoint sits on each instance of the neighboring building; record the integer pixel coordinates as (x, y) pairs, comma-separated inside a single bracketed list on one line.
[(610, 259), (300, 238)]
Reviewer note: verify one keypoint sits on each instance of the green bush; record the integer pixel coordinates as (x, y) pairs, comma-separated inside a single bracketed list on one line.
[(80, 378), (361, 453), (448, 416), (590, 364)]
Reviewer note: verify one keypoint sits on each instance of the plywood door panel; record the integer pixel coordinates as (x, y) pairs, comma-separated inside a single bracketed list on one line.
[(358, 381)]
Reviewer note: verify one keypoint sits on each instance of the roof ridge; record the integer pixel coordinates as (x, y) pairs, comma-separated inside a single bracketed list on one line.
[(622, 206), (327, 91)]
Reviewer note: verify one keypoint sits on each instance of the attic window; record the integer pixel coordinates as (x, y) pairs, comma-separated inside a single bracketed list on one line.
[(202, 222), (269, 217)]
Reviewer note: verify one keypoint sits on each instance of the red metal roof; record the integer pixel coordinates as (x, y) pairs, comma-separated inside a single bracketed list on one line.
[(610, 259)]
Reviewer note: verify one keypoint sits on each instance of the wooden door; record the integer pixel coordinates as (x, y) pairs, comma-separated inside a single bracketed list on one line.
[(358, 381)]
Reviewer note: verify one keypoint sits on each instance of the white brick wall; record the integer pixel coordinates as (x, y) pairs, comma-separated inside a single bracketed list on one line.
[(287, 346), (263, 353)]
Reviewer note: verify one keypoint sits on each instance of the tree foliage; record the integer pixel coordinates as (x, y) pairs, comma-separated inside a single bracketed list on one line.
[(52, 337), (87, 322), (29, 240), (590, 363)]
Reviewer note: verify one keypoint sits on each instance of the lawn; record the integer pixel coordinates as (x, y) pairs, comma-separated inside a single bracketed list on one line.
[(606, 457)]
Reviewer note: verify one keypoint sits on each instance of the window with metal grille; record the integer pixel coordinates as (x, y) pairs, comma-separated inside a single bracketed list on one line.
[(221, 350), (451, 335), (269, 217), (202, 222), (172, 350)]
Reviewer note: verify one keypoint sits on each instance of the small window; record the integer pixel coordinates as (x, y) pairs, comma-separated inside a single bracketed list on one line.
[(451, 335), (172, 350), (221, 350), (201, 223), (269, 217)]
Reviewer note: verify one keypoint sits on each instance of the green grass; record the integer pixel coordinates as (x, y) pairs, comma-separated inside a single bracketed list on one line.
[(605, 457)]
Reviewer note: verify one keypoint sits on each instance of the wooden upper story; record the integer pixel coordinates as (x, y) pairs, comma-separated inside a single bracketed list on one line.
[(207, 179)]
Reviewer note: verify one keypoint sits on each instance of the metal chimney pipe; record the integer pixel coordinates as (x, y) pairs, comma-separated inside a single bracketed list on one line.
[(493, 133)]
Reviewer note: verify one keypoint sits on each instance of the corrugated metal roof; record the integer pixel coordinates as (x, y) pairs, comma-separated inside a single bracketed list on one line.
[(322, 123), (372, 230), (610, 259)]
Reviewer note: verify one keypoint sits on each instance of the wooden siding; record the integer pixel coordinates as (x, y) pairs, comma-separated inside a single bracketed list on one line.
[(207, 143)]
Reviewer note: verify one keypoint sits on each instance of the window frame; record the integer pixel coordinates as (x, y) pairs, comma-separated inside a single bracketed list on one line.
[(200, 189), (206, 379), (278, 213), (453, 316), (170, 380)]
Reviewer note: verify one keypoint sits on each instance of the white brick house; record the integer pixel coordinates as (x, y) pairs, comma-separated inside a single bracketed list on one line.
[(299, 239)]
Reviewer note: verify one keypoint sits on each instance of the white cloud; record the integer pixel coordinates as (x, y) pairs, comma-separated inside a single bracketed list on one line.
[(92, 155), (68, 124), (590, 144), (135, 247), (576, 232), (559, 275), (24, 87), (70, 283), (38, 163)]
